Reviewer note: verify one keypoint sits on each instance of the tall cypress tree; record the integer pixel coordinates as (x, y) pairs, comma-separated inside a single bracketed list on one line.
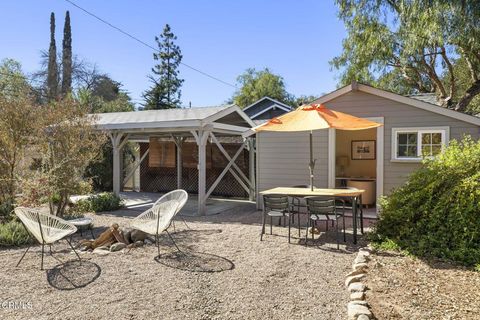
[(165, 92), (52, 77), (67, 57)]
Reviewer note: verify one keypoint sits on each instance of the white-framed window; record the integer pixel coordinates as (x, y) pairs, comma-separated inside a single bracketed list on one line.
[(412, 144)]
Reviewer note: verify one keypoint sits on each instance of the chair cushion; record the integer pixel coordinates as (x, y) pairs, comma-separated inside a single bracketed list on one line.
[(321, 217)]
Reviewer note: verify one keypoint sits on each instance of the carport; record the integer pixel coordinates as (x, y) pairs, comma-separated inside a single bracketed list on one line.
[(201, 124)]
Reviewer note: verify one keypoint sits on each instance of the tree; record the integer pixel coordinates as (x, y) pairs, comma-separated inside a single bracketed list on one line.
[(19, 127), (68, 145), (165, 92), (67, 57), (255, 85), (414, 45), (52, 77)]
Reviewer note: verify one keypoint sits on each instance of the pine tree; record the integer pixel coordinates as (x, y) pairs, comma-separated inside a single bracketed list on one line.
[(165, 92), (52, 77), (67, 57)]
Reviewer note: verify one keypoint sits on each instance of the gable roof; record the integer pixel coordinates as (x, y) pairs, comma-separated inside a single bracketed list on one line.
[(279, 104), (230, 117), (417, 103)]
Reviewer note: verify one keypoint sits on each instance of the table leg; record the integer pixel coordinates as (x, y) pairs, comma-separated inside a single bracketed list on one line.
[(354, 216)]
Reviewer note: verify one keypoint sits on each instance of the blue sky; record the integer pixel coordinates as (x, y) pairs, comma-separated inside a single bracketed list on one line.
[(294, 38)]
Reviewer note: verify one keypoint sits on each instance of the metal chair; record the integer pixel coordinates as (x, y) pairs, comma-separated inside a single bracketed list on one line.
[(275, 205), (158, 218), (46, 228), (298, 203), (178, 195), (345, 203), (323, 209)]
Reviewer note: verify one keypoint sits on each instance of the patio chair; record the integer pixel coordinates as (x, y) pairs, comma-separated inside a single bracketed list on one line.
[(179, 195), (158, 218), (323, 209), (45, 228), (345, 203), (275, 205), (298, 203)]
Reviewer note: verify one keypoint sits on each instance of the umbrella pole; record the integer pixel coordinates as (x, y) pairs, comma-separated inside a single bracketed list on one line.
[(312, 162)]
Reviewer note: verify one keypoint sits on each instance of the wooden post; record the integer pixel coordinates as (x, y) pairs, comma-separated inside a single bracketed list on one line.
[(251, 168), (201, 137), (179, 143), (117, 144)]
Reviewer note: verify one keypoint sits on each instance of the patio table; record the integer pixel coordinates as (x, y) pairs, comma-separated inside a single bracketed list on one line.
[(307, 192)]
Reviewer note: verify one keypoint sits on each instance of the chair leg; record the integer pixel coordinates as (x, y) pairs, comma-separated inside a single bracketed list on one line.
[(185, 222), (298, 223), (336, 233), (344, 235), (158, 244), (43, 251), (18, 263), (91, 232), (263, 226), (289, 229), (361, 220), (271, 225), (173, 240), (70, 244), (306, 234)]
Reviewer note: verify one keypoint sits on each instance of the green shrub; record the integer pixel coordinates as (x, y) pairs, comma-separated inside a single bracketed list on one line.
[(13, 233), (100, 202), (437, 212)]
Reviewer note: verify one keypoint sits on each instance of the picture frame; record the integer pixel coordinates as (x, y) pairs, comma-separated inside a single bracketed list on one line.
[(364, 150)]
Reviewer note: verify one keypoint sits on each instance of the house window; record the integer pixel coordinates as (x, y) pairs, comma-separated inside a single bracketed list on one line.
[(412, 144)]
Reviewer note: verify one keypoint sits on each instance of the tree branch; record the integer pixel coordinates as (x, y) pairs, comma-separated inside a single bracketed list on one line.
[(471, 93), (451, 74)]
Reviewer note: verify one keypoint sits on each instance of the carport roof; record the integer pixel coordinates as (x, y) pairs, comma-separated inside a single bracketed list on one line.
[(227, 119)]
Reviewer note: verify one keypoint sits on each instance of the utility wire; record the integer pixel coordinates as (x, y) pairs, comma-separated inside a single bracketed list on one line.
[(146, 44)]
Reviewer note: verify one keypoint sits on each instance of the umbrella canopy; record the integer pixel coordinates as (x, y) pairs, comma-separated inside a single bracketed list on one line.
[(315, 117)]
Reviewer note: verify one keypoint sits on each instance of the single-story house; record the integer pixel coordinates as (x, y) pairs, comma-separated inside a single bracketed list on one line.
[(378, 159)]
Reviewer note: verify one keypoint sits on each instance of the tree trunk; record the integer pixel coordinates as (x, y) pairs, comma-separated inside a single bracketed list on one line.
[(471, 92)]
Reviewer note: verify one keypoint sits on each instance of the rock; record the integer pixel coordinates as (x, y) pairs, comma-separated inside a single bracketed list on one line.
[(137, 235), (360, 259), (117, 246), (360, 266), (357, 287), (355, 278), (357, 296), (359, 302), (100, 251), (363, 317), (355, 310), (138, 243), (364, 252), (356, 271), (148, 241), (126, 232)]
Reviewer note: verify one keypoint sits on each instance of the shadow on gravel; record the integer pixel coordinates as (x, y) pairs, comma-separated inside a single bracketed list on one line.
[(195, 261), (73, 274)]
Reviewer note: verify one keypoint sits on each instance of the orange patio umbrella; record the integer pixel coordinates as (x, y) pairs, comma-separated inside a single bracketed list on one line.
[(315, 117)]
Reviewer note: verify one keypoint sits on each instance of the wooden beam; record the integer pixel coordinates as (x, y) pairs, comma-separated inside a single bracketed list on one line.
[(201, 137), (132, 172), (179, 143), (235, 166), (251, 168), (225, 170), (117, 145)]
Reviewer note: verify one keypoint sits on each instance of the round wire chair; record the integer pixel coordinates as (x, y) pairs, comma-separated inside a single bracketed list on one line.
[(178, 195), (46, 228)]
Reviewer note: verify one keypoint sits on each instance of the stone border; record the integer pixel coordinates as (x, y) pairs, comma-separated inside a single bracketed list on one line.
[(357, 307)]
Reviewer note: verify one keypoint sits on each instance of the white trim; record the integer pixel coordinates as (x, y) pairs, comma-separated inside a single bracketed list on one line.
[(402, 99), (331, 157), (271, 99), (269, 108), (444, 130), (222, 113), (380, 159)]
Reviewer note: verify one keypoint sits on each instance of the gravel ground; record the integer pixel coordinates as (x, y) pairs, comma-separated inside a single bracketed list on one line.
[(402, 287), (225, 272)]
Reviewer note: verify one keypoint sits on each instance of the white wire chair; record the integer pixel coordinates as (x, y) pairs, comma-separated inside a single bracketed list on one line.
[(179, 195), (46, 228), (158, 218)]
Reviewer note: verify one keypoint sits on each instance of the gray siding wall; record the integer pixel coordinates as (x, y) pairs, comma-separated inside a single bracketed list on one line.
[(282, 159), (397, 115)]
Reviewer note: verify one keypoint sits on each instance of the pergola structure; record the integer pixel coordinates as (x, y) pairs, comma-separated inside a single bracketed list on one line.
[(178, 124)]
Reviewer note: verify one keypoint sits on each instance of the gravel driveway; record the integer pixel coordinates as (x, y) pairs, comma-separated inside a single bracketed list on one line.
[(224, 273)]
